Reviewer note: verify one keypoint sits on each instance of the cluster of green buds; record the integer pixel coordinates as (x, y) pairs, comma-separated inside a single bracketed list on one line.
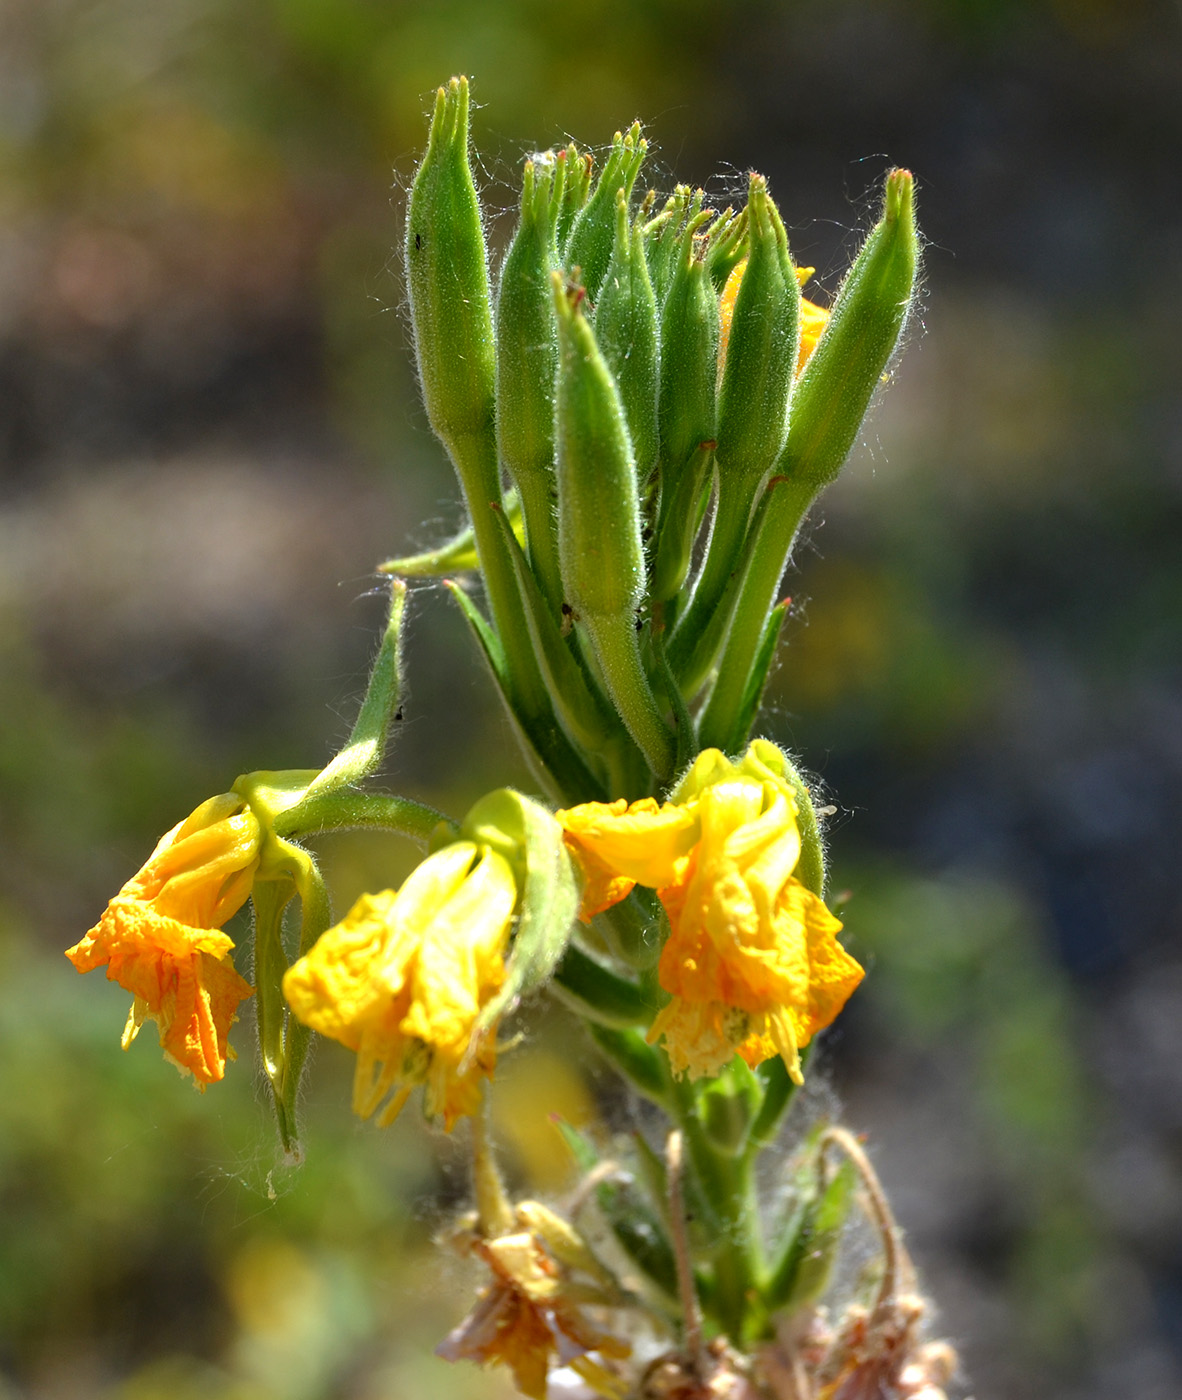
[(640, 416)]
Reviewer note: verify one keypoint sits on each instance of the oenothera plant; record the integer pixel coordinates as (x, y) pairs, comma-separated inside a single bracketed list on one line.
[(640, 413)]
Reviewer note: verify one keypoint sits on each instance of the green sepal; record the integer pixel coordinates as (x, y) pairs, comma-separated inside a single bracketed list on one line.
[(284, 870), (589, 247), (529, 838), (683, 722), (558, 767), (457, 555), (633, 930), (625, 324), (575, 190), (596, 993), (645, 1067), (447, 279), (804, 1265), (687, 412), (679, 521), (727, 247), (599, 544), (527, 363)]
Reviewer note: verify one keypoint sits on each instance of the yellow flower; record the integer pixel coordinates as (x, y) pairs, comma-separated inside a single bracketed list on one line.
[(530, 1314), (752, 962), (403, 978), (813, 318), (159, 936)]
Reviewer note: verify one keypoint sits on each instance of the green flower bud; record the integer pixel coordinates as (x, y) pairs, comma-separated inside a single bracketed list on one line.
[(687, 407), (625, 325), (447, 279), (599, 544), (598, 512), (867, 319), (828, 404), (593, 232), (759, 363), (527, 364), (760, 353)]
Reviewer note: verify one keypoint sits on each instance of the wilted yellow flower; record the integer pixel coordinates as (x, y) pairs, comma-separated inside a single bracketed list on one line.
[(752, 963), (403, 978), (159, 937), (813, 318), (530, 1318)]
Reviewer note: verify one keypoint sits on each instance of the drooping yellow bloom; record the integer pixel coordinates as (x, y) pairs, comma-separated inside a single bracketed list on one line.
[(159, 937), (752, 963), (403, 978), (813, 318)]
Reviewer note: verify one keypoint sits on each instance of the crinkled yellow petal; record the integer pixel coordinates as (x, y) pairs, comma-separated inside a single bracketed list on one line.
[(337, 986), (160, 938), (402, 980), (640, 843)]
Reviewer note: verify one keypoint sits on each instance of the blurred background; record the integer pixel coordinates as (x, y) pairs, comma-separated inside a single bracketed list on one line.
[(210, 433)]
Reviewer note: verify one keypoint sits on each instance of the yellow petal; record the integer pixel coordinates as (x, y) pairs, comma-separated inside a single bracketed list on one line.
[(641, 842)]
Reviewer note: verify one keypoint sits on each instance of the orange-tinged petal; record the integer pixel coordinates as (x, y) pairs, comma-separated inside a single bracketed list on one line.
[(641, 843), (160, 938)]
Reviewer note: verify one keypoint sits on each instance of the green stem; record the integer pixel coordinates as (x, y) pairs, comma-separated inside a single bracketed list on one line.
[(349, 808), (723, 559), (728, 1188), (617, 649), (770, 551)]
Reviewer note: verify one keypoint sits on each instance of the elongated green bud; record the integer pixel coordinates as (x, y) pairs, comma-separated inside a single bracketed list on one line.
[(761, 350), (598, 511), (593, 232), (689, 355), (846, 367), (828, 404), (527, 364), (760, 358), (447, 279), (599, 543), (625, 325), (687, 409)]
